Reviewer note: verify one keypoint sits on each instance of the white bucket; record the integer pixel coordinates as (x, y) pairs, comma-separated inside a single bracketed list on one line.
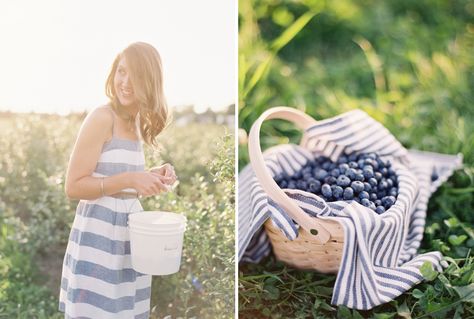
[(156, 241)]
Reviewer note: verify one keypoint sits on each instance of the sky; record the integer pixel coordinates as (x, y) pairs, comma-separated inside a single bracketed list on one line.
[(55, 55)]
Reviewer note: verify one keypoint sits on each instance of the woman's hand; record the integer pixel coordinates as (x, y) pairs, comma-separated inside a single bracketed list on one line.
[(148, 183), (166, 173)]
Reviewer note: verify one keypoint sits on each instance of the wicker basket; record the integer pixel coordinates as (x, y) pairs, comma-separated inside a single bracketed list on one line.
[(306, 253), (320, 242)]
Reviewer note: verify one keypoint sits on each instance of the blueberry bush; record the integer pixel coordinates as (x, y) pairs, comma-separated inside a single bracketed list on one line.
[(409, 65), (36, 216)]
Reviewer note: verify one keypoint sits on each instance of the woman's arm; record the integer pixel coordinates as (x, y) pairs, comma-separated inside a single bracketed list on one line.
[(94, 132)]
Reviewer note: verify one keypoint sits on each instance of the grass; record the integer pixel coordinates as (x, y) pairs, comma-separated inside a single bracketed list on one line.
[(407, 64)]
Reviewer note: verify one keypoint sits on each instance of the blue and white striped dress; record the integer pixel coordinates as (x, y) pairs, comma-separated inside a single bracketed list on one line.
[(379, 260), (98, 281)]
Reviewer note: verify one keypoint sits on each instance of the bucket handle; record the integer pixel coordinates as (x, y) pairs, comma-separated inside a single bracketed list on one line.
[(303, 121)]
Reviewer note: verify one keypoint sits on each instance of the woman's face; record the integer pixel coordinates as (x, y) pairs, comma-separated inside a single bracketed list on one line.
[(122, 85)]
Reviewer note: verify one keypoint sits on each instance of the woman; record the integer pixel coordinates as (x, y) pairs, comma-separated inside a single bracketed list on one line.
[(106, 172)]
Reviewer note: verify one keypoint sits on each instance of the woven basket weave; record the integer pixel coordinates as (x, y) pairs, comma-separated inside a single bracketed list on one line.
[(306, 253), (320, 242)]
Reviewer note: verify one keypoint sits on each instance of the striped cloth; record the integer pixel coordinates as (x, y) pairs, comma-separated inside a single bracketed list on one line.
[(97, 277), (379, 260)]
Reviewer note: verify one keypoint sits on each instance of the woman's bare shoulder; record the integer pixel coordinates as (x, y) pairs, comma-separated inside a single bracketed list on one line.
[(99, 121)]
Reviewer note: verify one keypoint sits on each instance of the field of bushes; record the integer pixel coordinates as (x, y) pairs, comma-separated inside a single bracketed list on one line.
[(36, 217)]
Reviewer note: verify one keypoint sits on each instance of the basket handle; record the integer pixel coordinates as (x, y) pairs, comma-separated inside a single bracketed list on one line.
[(303, 121)]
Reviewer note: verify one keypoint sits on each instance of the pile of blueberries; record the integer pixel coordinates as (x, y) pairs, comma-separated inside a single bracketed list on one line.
[(362, 177)]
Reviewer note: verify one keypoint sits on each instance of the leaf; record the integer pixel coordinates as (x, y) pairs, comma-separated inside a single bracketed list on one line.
[(403, 311), (452, 222), (466, 292), (292, 31), (427, 271), (387, 315), (417, 293), (343, 312), (272, 292), (276, 46), (356, 315), (457, 240)]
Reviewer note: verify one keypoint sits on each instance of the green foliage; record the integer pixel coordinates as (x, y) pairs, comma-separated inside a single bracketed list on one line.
[(407, 64), (208, 251), (36, 217)]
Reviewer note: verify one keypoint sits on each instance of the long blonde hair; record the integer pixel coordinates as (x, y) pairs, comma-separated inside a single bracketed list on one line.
[(144, 63)]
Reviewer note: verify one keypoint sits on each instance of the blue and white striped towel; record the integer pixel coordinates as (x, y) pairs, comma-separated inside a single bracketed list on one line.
[(379, 260)]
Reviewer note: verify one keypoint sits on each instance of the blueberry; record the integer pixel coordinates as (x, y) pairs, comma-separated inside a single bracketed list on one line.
[(384, 171), (342, 159), (380, 162), (320, 174), (382, 185), (391, 172), (283, 184), (393, 192), (357, 186), (368, 162), (326, 190), (388, 201), (381, 193), (378, 202), (353, 165), (351, 173), (337, 191), (278, 178), (306, 170), (373, 196), (375, 165), (365, 202), (335, 172), (367, 187), (352, 157), (394, 179), (372, 205), (378, 176), (380, 210), (298, 175), (326, 165), (389, 183), (314, 186), (301, 184), (368, 173), (348, 193), (363, 195), (372, 156), (434, 176), (291, 185), (373, 182), (359, 177), (330, 180), (343, 168), (368, 167), (343, 181), (307, 176)]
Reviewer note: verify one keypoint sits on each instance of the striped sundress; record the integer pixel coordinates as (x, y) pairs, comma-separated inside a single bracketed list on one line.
[(98, 280)]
